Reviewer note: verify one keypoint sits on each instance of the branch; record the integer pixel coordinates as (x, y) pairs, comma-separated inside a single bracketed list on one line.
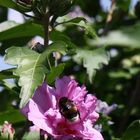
[(109, 16)]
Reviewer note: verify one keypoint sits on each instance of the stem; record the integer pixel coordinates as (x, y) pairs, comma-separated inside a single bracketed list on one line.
[(49, 63), (46, 32), (46, 43), (21, 133), (46, 28), (41, 136)]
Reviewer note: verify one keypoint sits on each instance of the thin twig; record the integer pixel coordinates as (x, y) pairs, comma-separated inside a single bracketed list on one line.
[(109, 16)]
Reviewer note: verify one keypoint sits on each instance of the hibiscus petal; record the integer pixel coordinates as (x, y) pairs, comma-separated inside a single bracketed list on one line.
[(35, 114), (78, 94), (62, 86), (44, 97), (90, 102), (90, 133), (66, 87), (96, 135), (43, 111)]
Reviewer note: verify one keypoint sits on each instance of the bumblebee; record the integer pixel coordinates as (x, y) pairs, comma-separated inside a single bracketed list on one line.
[(68, 109)]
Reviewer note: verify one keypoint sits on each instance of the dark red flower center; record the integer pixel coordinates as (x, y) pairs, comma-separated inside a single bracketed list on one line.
[(63, 127)]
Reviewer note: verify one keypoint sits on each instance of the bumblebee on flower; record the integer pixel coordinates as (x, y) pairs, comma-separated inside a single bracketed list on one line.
[(64, 112)]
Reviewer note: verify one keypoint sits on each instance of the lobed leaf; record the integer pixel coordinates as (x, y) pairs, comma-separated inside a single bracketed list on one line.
[(31, 67), (91, 59)]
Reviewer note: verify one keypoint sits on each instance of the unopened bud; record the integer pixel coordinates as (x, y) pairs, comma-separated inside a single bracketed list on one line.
[(60, 7), (25, 5), (38, 47), (7, 131), (29, 2)]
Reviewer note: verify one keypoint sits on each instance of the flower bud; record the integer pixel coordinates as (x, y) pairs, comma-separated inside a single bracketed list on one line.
[(38, 47), (25, 5), (7, 131), (60, 7), (28, 2)]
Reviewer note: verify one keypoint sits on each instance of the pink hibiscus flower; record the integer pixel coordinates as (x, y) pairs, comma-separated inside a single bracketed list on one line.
[(45, 112)]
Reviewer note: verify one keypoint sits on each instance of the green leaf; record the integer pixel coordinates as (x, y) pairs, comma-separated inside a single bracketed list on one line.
[(81, 22), (8, 4), (7, 25), (16, 6), (92, 60), (128, 37), (10, 116), (22, 30), (55, 72), (56, 36), (124, 4), (31, 67), (6, 74), (132, 132)]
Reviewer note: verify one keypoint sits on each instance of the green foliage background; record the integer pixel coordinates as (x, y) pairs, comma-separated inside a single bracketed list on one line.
[(89, 47)]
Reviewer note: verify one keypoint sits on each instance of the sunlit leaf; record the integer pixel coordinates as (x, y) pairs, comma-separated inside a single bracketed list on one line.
[(92, 60), (81, 22), (7, 25), (22, 30), (128, 37), (31, 67)]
